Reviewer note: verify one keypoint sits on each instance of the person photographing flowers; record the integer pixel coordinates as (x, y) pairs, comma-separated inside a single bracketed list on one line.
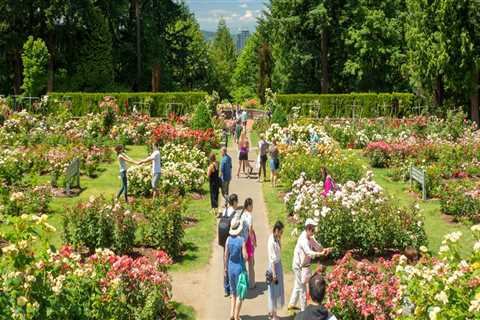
[(306, 248)]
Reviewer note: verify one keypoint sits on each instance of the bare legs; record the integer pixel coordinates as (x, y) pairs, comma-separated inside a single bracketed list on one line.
[(274, 179), (235, 306), (251, 272)]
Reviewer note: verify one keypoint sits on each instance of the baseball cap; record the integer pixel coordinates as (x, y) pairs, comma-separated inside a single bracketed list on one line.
[(310, 221)]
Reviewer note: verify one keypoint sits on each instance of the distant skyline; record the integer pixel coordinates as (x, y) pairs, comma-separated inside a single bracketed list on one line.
[(238, 14)]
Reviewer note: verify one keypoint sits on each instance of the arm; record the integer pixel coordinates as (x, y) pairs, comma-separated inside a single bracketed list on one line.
[(128, 159), (252, 235), (306, 249), (271, 256), (225, 256), (318, 247), (244, 250), (222, 167), (149, 159)]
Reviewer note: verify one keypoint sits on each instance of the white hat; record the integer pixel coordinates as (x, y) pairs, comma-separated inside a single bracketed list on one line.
[(236, 227), (310, 222)]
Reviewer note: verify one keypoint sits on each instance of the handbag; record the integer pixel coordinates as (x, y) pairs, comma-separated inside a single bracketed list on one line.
[(268, 277), (242, 284)]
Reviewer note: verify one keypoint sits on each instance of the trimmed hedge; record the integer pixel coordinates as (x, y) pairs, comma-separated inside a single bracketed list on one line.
[(157, 104), (367, 105)]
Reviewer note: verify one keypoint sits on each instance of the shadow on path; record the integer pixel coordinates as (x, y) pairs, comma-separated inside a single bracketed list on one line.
[(260, 289)]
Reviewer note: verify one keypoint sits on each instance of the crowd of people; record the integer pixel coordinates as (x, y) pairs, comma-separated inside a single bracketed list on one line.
[(236, 234)]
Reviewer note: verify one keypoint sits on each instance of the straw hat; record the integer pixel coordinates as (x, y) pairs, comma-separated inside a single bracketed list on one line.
[(236, 227)]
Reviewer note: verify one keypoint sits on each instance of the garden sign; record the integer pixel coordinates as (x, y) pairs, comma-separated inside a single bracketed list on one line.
[(419, 176)]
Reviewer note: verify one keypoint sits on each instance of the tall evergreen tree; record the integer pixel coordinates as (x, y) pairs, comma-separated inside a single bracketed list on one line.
[(223, 55), (245, 75)]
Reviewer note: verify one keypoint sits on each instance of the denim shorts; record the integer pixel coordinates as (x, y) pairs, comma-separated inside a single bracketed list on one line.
[(155, 180)]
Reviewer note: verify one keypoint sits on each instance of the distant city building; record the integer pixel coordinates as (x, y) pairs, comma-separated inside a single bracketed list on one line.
[(242, 38)]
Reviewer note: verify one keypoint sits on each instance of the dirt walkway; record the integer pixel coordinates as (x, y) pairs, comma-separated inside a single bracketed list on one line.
[(203, 289)]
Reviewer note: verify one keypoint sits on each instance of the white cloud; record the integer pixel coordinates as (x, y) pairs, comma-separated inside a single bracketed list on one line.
[(248, 16)]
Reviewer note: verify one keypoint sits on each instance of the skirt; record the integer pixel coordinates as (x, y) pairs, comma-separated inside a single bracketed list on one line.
[(276, 292)]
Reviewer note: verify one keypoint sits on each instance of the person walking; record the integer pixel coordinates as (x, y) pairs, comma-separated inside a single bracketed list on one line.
[(306, 249), (214, 182), (122, 161), (263, 150), (229, 213), (276, 291), (316, 311), (234, 259), (274, 162), (243, 156), (244, 119), (238, 131), (155, 159), (226, 172), (248, 234)]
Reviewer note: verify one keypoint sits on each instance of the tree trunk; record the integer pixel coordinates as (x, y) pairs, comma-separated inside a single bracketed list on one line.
[(51, 63), (139, 53), (474, 97), (17, 67), (156, 77), (439, 92), (325, 81)]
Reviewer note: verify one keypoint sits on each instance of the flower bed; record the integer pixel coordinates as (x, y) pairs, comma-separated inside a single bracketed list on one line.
[(183, 169), (357, 216), (62, 285)]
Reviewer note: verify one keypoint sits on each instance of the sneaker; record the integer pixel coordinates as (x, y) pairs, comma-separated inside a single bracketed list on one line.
[(292, 308), (226, 295)]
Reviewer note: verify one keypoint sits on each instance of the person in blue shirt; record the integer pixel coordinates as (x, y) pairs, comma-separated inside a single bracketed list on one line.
[(226, 172)]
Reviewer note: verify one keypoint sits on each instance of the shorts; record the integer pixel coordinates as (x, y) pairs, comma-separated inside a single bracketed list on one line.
[(263, 159), (274, 164), (155, 180), (243, 156)]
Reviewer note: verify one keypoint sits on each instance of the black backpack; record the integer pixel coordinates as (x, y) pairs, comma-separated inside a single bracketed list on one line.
[(224, 227)]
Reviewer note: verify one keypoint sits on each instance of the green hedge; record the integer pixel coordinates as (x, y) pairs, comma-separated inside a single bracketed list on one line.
[(340, 105), (157, 104)]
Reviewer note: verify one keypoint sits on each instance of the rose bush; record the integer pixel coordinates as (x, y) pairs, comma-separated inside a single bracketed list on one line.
[(100, 224), (62, 285), (358, 216)]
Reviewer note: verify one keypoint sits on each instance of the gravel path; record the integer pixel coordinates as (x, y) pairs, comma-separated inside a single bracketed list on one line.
[(203, 289)]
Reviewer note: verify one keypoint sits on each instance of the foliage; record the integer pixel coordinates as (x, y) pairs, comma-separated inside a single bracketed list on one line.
[(94, 67), (460, 201), (157, 104), (201, 119), (245, 75), (446, 287), (34, 58), (62, 285), (163, 225), (367, 105), (223, 56), (100, 224), (357, 216)]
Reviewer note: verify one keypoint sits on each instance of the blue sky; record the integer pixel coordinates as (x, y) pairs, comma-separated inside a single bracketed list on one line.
[(238, 14)]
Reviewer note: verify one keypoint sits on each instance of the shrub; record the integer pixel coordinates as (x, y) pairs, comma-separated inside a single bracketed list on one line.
[(461, 202), (362, 289), (357, 216), (279, 117), (443, 287), (202, 119), (367, 105), (163, 225), (156, 104), (99, 224)]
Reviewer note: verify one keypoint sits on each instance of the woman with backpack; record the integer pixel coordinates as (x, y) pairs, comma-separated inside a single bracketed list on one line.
[(223, 232), (328, 184), (234, 260)]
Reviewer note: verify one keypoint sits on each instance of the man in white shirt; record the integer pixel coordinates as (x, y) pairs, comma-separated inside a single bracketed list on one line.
[(306, 249), (155, 159)]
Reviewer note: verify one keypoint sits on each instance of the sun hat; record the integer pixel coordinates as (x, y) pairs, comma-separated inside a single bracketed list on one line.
[(236, 227), (310, 222)]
